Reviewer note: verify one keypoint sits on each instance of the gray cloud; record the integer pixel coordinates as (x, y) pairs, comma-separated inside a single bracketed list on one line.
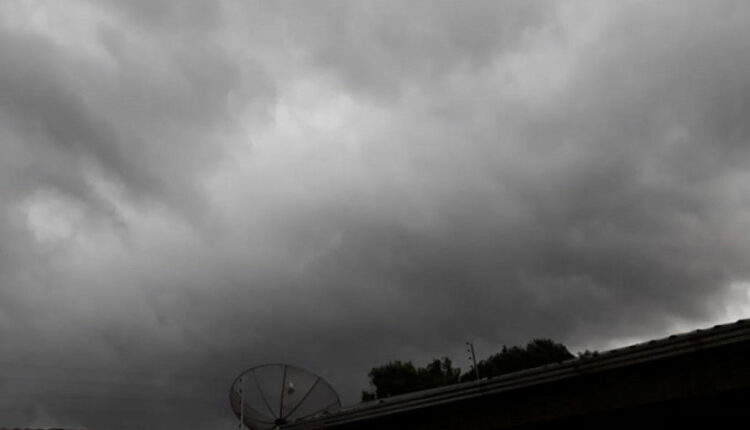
[(189, 190), (384, 49)]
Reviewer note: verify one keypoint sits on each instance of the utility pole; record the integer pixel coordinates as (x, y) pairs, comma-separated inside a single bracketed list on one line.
[(473, 358)]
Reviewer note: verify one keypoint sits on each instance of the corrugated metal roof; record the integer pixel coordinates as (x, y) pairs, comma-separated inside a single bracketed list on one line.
[(673, 345)]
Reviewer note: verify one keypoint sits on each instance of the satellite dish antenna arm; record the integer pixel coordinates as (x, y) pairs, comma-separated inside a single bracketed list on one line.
[(262, 395), (303, 399)]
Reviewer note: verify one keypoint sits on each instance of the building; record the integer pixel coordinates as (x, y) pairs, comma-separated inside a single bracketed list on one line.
[(696, 378)]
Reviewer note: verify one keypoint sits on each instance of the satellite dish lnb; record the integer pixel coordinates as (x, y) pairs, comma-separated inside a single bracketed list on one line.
[(268, 396)]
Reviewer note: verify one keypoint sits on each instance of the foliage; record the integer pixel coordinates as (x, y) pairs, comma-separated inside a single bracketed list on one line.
[(368, 396), (588, 354), (537, 353), (439, 373), (397, 377)]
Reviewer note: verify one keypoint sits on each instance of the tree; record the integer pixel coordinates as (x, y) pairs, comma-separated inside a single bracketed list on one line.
[(587, 354), (438, 373), (368, 396), (399, 377), (394, 378), (537, 353)]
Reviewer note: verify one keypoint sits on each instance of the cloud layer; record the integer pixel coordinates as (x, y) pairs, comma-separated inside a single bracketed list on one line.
[(188, 189)]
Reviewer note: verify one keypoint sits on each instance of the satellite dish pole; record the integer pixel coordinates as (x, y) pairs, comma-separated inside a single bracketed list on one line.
[(473, 358)]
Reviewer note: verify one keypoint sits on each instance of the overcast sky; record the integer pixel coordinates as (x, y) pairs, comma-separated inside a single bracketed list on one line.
[(191, 188)]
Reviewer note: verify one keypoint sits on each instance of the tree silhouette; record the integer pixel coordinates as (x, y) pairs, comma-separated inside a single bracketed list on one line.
[(438, 373), (537, 353), (397, 377)]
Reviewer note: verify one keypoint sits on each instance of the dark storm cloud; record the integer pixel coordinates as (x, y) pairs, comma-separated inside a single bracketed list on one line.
[(188, 190)]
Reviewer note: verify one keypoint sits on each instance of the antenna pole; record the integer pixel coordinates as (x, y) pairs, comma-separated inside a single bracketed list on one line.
[(473, 358), (242, 406)]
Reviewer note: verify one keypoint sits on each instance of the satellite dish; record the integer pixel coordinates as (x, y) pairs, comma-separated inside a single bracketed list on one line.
[(269, 396)]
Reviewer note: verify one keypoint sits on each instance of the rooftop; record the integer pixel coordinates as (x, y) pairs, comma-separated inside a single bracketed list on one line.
[(671, 346)]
